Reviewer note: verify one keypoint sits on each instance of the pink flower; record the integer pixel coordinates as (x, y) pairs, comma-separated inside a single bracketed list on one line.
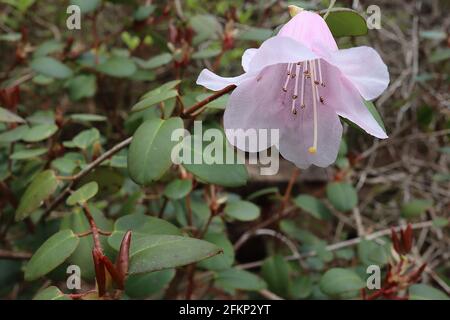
[(300, 83)]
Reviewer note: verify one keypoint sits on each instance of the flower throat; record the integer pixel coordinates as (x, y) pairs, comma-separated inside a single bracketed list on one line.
[(301, 72)]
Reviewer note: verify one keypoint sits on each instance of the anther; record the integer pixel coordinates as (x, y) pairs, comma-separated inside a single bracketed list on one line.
[(294, 97), (321, 99)]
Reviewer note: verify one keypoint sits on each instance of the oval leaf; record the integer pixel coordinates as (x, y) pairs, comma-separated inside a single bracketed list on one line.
[(313, 206), (178, 189), (342, 196), (158, 252), (242, 210), (8, 116), (43, 185), (149, 156), (345, 22), (51, 254), (51, 67), (83, 194), (338, 282)]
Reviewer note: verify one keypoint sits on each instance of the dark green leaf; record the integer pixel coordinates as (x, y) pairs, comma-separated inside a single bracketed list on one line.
[(51, 254), (40, 189), (158, 252), (83, 194), (149, 156), (313, 206), (342, 196), (242, 210), (51, 67)]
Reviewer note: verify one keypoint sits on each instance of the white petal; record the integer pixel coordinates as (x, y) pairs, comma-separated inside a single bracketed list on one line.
[(256, 104), (247, 57), (214, 82), (365, 69), (277, 50), (341, 95), (297, 136)]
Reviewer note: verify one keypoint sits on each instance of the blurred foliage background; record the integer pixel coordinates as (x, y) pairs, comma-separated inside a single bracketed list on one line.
[(68, 97)]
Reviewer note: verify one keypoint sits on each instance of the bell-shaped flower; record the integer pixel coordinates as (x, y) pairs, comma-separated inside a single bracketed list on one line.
[(300, 83)]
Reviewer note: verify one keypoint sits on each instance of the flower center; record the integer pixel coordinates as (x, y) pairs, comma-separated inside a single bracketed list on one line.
[(300, 73)]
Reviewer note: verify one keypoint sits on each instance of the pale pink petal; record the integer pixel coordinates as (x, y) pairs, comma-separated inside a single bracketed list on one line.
[(214, 82), (365, 69), (311, 30), (279, 50), (256, 104), (297, 137), (247, 57), (341, 96)]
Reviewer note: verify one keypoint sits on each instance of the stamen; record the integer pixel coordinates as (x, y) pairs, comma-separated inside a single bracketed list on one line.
[(297, 71), (295, 95), (313, 148), (315, 81), (302, 98), (306, 71), (320, 73), (289, 69)]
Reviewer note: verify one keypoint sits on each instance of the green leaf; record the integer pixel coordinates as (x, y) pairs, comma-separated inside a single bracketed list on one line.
[(8, 116), (119, 67), (48, 47), (302, 287), (87, 5), (83, 194), (51, 293), (78, 223), (206, 54), (151, 100), (342, 196), (143, 12), (373, 110), (156, 61), (13, 135), (439, 55), (141, 226), (86, 117), (158, 252), (433, 34), (213, 168), (416, 207), (242, 210), (82, 86), (275, 271), (345, 22), (338, 283), (40, 132), (178, 189), (255, 34), (51, 67), (86, 138), (219, 103), (149, 156), (51, 254), (28, 153), (109, 180), (140, 286), (370, 252), (440, 222), (222, 261), (42, 187), (206, 26), (232, 279), (425, 292), (263, 192), (313, 206)]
